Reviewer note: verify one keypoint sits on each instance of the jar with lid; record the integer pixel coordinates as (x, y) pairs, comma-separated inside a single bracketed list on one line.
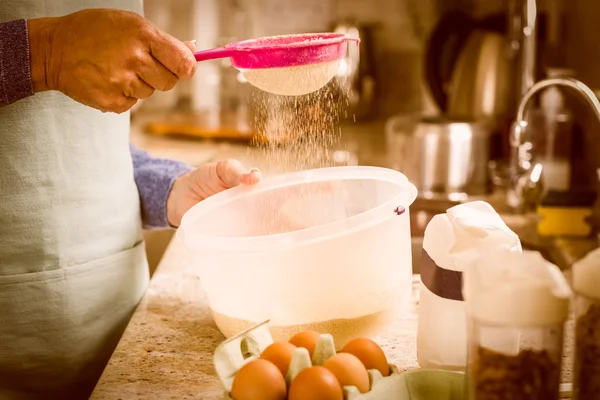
[(586, 362), (517, 305)]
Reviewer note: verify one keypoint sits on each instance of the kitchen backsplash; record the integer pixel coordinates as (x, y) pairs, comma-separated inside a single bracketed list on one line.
[(398, 40)]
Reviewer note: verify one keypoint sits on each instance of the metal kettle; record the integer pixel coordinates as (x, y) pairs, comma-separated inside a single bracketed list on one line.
[(481, 83), (356, 75), (468, 68)]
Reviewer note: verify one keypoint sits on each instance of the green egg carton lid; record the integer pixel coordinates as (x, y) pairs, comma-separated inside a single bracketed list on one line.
[(419, 384)]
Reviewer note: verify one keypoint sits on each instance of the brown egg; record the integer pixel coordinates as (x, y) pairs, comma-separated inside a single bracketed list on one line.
[(315, 383), (349, 371), (280, 354), (369, 353), (306, 339), (258, 380)]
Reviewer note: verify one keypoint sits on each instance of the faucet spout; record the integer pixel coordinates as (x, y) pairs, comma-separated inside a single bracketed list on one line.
[(579, 86), (522, 148)]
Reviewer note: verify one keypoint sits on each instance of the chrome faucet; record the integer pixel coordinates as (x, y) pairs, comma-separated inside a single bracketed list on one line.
[(522, 39), (524, 172)]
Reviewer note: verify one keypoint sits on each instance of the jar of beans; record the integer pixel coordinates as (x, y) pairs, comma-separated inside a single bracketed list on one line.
[(586, 361), (517, 306)]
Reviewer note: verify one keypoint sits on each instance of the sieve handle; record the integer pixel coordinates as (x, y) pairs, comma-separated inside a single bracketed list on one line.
[(211, 54), (352, 39)]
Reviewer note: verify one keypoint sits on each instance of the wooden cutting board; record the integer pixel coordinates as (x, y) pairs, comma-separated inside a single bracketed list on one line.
[(203, 132), (197, 126)]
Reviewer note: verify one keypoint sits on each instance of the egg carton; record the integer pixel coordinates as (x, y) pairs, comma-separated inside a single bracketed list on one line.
[(235, 352)]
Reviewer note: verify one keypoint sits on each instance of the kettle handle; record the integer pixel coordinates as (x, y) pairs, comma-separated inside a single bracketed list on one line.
[(442, 50)]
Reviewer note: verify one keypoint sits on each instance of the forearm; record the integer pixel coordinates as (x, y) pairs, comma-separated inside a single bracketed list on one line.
[(15, 63), (154, 178)]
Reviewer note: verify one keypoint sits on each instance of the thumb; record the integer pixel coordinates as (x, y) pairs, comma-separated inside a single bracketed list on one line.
[(232, 173), (173, 54), (191, 45)]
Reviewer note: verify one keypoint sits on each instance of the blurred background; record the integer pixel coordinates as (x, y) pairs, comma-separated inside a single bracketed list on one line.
[(398, 33), (425, 70), (409, 53)]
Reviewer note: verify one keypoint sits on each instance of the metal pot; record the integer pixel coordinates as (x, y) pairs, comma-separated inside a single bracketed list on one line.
[(443, 157)]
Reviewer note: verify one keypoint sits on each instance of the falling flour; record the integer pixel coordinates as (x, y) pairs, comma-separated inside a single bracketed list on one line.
[(301, 131)]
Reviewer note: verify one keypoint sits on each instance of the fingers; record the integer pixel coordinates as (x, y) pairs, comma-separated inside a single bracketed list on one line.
[(252, 177), (125, 105), (231, 173), (152, 71), (176, 56), (116, 104), (155, 74), (139, 89)]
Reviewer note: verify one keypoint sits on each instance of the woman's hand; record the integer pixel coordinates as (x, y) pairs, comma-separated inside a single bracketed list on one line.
[(212, 178), (106, 59)]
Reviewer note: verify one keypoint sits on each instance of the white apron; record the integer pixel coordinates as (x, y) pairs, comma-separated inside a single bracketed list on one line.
[(72, 260)]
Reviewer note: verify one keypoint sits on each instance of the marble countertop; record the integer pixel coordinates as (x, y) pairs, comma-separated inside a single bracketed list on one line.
[(166, 351)]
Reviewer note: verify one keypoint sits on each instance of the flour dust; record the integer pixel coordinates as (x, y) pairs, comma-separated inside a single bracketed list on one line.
[(302, 132)]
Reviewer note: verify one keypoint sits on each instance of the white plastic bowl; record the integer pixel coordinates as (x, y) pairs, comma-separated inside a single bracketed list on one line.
[(325, 246)]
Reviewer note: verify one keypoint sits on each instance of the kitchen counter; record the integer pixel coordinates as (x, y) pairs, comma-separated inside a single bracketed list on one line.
[(166, 351)]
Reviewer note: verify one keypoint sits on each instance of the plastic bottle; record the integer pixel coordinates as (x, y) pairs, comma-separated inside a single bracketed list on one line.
[(452, 240)]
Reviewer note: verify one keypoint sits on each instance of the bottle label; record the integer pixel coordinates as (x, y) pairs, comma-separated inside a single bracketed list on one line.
[(442, 282)]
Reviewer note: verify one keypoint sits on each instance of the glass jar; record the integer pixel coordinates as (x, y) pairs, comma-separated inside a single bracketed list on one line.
[(586, 362), (516, 363)]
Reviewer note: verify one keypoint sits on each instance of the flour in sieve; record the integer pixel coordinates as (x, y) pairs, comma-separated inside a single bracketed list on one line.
[(292, 81)]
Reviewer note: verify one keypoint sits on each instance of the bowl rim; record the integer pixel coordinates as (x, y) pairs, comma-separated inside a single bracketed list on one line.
[(279, 241)]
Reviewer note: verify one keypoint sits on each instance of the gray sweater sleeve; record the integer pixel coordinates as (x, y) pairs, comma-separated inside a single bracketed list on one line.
[(154, 177), (15, 65)]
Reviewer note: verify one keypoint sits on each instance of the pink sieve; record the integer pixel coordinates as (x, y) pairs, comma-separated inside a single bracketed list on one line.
[(282, 51), (290, 65)]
